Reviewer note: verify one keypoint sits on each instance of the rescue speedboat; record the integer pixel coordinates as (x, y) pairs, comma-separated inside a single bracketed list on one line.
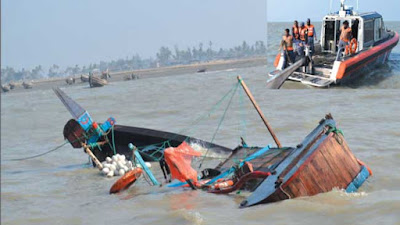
[(370, 46)]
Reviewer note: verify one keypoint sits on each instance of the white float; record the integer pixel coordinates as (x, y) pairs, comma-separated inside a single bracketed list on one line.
[(118, 165)]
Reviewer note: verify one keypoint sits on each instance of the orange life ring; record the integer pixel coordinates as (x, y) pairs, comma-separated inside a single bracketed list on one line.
[(125, 181), (353, 46)]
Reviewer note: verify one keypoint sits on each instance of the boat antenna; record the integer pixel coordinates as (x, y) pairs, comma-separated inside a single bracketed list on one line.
[(342, 5), (330, 6), (357, 5)]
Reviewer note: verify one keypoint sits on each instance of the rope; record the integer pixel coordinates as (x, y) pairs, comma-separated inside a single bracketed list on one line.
[(334, 129), (41, 154), (220, 123), (280, 187), (190, 126), (211, 111), (113, 141), (223, 115)]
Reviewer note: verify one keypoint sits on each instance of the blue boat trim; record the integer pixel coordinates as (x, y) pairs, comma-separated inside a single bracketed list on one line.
[(358, 180), (146, 169)]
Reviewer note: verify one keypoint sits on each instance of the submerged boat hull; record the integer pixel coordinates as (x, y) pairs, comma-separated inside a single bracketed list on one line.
[(151, 143), (322, 162)]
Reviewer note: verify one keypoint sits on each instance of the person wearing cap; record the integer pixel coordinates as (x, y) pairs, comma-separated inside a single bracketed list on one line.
[(311, 35), (303, 32), (345, 37), (302, 40)]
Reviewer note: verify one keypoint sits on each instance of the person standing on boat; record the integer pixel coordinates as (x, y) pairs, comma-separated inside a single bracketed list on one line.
[(301, 41), (287, 44), (345, 37), (303, 33), (295, 30), (311, 35)]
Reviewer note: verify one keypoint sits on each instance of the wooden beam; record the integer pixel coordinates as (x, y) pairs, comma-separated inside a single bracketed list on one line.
[(92, 156), (246, 89)]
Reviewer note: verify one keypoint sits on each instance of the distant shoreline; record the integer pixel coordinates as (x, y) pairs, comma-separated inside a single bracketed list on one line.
[(215, 65)]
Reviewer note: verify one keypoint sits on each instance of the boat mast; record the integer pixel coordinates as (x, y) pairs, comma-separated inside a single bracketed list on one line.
[(246, 89), (342, 5)]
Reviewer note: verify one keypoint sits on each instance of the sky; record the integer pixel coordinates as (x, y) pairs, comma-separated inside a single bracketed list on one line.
[(70, 32), (279, 10)]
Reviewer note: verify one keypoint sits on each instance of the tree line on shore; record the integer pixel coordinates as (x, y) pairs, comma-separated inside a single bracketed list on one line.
[(164, 57)]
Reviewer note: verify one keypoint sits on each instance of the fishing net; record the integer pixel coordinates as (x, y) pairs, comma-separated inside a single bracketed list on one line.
[(179, 160)]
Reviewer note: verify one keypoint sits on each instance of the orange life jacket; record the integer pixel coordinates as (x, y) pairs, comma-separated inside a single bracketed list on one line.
[(303, 33), (295, 32), (310, 30)]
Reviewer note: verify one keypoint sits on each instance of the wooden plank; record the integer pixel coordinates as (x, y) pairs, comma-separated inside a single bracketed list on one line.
[(351, 158), (319, 178), (327, 176), (346, 157), (300, 156), (302, 190), (335, 159), (308, 179), (337, 178)]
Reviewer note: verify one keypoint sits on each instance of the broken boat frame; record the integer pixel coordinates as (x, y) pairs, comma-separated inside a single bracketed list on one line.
[(322, 162)]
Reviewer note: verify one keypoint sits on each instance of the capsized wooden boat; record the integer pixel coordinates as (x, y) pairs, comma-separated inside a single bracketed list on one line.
[(322, 162), (371, 45), (97, 82)]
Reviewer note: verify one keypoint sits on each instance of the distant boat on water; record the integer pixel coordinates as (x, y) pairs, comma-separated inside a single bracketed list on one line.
[(70, 80), (5, 88), (97, 82), (12, 85), (27, 85), (131, 77), (203, 70)]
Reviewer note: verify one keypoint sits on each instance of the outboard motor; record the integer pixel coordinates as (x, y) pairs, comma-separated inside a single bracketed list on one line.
[(309, 64)]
